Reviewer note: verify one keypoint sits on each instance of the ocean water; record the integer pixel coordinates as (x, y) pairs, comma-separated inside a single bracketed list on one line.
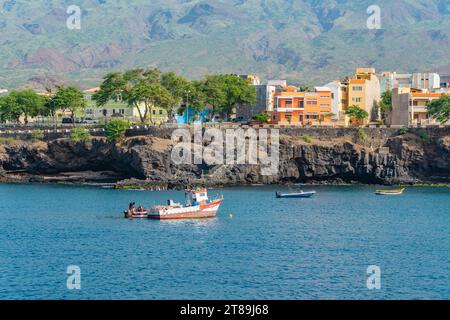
[(268, 249)]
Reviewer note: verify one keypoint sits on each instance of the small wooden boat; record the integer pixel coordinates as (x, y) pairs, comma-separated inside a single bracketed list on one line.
[(136, 214), (390, 192), (295, 195)]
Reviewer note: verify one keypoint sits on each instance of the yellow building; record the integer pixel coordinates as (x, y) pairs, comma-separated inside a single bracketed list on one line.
[(364, 91)]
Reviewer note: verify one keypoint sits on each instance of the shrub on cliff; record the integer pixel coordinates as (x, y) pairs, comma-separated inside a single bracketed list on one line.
[(116, 129), (37, 135), (307, 138), (362, 134), (80, 135)]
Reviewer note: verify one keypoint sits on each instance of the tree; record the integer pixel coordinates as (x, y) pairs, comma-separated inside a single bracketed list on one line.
[(151, 95), (305, 89), (70, 99), (137, 87), (357, 113), (386, 103), (9, 109), (439, 109), (178, 88), (213, 89), (228, 91), (26, 103)]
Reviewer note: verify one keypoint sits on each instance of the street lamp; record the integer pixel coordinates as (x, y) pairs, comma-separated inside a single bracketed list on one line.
[(187, 105)]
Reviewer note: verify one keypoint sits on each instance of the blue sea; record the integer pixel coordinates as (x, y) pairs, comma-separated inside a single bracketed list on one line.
[(258, 247)]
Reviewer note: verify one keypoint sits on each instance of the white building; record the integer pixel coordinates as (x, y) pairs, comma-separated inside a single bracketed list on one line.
[(427, 81)]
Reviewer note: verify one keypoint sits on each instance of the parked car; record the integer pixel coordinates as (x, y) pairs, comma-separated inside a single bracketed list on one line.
[(89, 121), (67, 121), (241, 120)]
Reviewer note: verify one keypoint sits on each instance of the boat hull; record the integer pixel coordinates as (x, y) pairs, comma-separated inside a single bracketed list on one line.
[(204, 212), (389, 192), (295, 195)]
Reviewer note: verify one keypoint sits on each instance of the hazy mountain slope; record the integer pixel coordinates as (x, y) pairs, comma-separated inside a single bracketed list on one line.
[(308, 41)]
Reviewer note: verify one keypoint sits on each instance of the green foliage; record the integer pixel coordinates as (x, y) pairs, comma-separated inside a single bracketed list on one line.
[(439, 109), (7, 141), (403, 131), (37, 135), (263, 118), (80, 135), (116, 129), (357, 113), (362, 134), (307, 138), (386, 103), (68, 98), (423, 135), (26, 103)]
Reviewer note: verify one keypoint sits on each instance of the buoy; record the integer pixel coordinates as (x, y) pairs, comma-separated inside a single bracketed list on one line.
[(231, 216)]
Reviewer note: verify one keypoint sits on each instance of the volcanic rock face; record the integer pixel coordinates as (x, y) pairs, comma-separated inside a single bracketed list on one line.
[(147, 160)]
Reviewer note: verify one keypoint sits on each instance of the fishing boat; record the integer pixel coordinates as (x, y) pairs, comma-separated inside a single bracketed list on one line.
[(390, 192), (198, 206), (294, 195)]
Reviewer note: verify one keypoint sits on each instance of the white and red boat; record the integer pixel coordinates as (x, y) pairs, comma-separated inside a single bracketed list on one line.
[(198, 206)]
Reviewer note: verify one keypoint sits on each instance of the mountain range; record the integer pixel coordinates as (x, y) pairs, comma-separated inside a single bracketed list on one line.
[(305, 41)]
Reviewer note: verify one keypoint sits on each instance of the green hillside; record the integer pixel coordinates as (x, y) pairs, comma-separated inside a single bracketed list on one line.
[(306, 41)]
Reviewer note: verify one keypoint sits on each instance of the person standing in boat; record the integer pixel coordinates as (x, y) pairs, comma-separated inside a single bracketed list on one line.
[(131, 209)]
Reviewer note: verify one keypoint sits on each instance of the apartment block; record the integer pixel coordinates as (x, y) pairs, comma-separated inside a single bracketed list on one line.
[(293, 107), (364, 91), (409, 106)]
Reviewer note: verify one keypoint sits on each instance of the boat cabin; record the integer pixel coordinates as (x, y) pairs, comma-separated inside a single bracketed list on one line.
[(196, 197)]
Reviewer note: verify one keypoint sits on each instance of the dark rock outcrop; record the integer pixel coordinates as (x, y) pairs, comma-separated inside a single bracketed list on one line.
[(403, 159)]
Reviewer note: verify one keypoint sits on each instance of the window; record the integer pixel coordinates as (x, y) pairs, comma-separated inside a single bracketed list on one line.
[(288, 103), (312, 116), (312, 102), (356, 99), (324, 105), (357, 88), (160, 112), (154, 112), (301, 103)]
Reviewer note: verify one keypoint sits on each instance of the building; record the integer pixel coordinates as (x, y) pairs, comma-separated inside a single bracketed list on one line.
[(253, 79), (409, 106), (264, 103), (339, 90), (387, 81), (428, 81), (292, 107), (364, 91), (420, 80), (120, 109), (445, 82), (264, 100), (403, 80)]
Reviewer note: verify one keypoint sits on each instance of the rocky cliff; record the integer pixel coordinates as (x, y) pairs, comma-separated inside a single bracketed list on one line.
[(145, 160)]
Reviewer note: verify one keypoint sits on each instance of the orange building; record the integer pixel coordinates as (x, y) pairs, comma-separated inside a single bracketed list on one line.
[(292, 107)]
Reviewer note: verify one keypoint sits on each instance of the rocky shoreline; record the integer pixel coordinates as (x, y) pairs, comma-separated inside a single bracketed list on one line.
[(143, 162)]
